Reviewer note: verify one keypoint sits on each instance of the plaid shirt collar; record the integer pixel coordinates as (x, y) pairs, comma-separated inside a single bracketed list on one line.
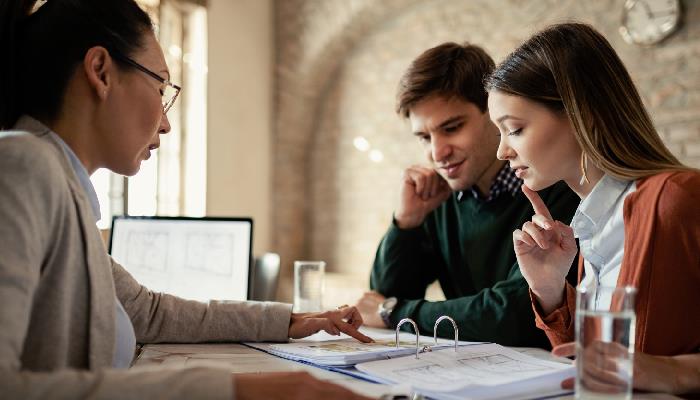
[(505, 182)]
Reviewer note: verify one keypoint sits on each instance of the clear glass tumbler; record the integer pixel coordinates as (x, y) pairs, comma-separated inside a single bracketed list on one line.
[(605, 322), (308, 285)]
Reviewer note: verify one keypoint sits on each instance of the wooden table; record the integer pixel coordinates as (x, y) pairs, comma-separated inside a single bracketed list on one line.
[(239, 358)]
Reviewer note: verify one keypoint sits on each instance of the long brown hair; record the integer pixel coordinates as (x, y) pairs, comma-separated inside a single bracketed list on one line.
[(572, 68)]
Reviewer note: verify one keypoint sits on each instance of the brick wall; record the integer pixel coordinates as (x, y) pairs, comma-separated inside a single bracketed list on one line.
[(337, 67)]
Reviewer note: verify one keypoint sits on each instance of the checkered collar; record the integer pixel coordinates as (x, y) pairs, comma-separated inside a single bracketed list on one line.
[(505, 182)]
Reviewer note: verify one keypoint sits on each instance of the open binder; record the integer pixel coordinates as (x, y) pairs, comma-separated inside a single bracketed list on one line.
[(479, 371), (326, 351), (437, 368), (485, 371)]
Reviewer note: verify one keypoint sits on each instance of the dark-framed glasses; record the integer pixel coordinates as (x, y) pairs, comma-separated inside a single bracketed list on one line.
[(169, 90)]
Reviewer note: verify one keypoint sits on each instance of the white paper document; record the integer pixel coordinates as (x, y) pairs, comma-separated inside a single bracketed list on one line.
[(329, 351), (484, 371)]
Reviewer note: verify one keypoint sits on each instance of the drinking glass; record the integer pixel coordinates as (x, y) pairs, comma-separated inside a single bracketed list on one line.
[(605, 322), (308, 285)]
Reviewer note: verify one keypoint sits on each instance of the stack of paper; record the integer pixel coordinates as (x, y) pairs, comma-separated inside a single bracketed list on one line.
[(483, 371), (329, 351)]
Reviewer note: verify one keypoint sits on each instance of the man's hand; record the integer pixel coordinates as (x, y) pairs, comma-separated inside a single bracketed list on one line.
[(345, 319), (288, 385), (422, 191), (368, 306)]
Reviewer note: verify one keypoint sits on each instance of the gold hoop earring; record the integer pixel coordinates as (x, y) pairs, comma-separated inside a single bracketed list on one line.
[(584, 169)]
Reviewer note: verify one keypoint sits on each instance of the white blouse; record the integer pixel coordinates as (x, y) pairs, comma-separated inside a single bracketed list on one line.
[(600, 228)]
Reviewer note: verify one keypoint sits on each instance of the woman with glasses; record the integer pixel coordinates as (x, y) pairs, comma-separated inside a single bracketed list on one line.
[(84, 85), (567, 109)]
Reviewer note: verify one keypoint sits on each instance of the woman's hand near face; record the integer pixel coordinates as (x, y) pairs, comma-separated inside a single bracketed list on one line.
[(288, 385), (545, 249), (345, 319)]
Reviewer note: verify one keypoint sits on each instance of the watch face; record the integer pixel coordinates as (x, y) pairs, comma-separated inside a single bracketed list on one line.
[(648, 22)]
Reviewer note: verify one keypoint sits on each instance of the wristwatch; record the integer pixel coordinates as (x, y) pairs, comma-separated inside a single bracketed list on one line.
[(386, 308)]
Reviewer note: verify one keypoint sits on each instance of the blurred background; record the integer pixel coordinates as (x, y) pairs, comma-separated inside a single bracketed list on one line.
[(287, 113)]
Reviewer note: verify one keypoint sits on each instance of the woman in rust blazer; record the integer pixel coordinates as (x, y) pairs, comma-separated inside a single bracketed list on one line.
[(568, 110)]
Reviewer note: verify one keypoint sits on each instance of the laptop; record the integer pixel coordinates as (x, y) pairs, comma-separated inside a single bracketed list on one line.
[(194, 258)]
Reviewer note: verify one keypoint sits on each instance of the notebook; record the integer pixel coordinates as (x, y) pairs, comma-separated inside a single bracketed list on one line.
[(194, 258), (324, 350)]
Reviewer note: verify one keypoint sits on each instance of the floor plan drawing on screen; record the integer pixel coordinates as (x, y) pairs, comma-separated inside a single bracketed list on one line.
[(199, 259), (147, 250), (210, 253)]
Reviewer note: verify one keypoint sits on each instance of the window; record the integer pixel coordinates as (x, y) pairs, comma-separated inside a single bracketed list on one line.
[(173, 181)]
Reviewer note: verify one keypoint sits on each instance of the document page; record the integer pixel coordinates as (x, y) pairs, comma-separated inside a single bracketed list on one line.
[(327, 350), (350, 347), (479, 371)]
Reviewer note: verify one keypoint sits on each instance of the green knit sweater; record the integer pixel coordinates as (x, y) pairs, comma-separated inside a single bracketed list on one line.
[(467, 246)]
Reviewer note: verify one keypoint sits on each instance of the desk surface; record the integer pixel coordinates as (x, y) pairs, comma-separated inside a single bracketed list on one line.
[(242, 359)]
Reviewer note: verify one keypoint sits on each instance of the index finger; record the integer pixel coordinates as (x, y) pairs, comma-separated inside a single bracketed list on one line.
[(351, 331), (536, 201)]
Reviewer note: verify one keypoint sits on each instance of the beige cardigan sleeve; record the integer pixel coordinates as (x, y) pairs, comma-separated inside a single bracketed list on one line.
[(33, 205), (159, 317), (33, 201), (107, 384)]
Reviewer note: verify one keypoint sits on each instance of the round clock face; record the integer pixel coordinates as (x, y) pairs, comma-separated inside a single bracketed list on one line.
[(648, 22)]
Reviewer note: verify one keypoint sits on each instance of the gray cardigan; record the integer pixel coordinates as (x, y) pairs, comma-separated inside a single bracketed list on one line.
[(57, 290)]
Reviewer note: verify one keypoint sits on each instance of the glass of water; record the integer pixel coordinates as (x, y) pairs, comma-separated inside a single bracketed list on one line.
[(308, 285), (605, 322)]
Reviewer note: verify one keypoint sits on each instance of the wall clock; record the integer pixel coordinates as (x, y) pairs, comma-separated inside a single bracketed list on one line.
[(648, 22)]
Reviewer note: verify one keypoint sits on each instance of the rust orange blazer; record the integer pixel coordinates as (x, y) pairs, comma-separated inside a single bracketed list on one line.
[(661, 259)]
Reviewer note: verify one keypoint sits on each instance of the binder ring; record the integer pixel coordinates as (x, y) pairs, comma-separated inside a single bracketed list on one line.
[(415, 328), (454, 325)]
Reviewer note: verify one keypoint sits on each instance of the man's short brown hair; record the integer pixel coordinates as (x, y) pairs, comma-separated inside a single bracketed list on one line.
[(449, 70)]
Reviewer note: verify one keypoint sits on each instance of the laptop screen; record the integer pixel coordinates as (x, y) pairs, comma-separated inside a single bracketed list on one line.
[(193, 258)]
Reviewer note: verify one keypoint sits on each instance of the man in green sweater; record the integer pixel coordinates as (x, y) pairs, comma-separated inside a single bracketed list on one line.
[(456, 216)]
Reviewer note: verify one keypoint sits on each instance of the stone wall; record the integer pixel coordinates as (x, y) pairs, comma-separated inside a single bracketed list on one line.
[(337, 66)]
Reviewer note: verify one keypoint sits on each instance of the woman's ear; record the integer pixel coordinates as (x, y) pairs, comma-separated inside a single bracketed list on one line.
[(98, 67)]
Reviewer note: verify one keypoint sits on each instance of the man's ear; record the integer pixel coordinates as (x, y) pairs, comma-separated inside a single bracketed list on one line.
[(98, 66)]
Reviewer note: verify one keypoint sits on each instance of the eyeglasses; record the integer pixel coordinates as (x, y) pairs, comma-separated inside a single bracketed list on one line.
[(169, 92)]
